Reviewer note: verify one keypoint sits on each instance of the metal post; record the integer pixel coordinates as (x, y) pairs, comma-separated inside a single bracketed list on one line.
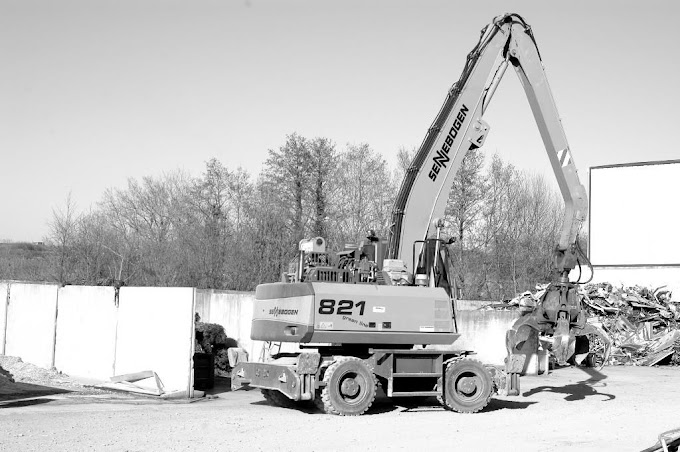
[(4, 332), (192, 338), (54, 338), (116, 302)]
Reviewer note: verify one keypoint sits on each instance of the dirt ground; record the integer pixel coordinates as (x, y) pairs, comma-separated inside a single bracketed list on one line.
[(21, 380), (621, 408)]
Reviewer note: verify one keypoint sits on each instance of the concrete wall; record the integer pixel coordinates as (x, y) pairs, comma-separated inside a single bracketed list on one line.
[(31, 322), (152, 328), (483, 331), (471, 305), (232, 310), (86, 331), (156, 332)]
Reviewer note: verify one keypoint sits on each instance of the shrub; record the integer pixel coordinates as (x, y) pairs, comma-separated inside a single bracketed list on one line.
[(213, 339)]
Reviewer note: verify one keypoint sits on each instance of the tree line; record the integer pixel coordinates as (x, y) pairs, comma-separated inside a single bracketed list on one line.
[(226, 229)]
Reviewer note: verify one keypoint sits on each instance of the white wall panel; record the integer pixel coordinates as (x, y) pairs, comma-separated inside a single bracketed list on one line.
[(155, 332), (232, 310), (484, 333), (31, 322), (86, 331), (634, 214)]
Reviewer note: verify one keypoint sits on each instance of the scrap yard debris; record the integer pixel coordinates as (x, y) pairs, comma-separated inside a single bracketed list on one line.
[(641, 322)]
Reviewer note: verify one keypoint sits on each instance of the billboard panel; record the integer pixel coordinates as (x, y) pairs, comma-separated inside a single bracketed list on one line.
[(634, 214)]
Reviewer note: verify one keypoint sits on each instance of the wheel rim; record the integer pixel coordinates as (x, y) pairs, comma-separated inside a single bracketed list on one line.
[(467, 387), (352, 388), (597, 349)]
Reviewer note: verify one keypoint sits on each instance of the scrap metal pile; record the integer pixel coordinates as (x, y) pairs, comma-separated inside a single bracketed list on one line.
[(642, 324)]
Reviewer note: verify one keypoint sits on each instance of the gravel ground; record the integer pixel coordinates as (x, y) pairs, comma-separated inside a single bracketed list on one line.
[(620, 409), (20, 380)]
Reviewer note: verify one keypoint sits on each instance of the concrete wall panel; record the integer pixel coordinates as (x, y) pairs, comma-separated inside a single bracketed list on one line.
[(31, 323), (202, 307), (86, 331), (484, 332), (156, 332), (3, 315), (232, 310)]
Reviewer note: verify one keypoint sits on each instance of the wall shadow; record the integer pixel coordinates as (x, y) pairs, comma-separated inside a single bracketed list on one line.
[(23, 403), (25, 390)]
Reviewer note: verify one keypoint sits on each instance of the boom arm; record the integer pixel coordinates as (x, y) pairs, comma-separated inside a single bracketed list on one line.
[(459, 127)]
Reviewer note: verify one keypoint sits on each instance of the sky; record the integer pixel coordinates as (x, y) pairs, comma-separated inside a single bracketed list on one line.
[(95, 92)]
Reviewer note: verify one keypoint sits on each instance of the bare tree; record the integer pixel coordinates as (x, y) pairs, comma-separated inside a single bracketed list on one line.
[(63, 227), (365, 194), (463, 209), (287, 172), (143, 218), (323, 164), (404, 160)]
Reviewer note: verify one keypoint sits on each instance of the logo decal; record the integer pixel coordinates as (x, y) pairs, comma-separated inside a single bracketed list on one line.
[(276, 311), (442, 156)]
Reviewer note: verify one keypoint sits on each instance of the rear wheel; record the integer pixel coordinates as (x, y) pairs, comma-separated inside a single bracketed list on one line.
[(350, 387), (467, 386)]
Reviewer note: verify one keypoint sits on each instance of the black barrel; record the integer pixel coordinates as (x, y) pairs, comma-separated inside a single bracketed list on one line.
[(204, 371)]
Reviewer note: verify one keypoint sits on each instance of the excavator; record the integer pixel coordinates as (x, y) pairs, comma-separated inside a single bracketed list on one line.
[(384, 314)]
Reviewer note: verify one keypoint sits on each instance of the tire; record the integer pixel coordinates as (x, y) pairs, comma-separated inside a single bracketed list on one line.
[(277, 398), (467, 386), (350, 387), (318, 401)]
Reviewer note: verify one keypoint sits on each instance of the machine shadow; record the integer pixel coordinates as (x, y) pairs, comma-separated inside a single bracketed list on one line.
[(579, 390), (404, 405), (431, 404), (496, 404)]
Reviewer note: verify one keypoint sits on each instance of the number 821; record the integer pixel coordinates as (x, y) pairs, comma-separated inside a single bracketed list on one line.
[(344, 307)]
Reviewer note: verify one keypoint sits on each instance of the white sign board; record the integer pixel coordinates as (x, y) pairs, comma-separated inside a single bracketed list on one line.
[(634, 214)]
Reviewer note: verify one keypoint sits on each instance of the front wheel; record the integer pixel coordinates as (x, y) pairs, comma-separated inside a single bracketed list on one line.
[(350, 387), (467, 386)]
